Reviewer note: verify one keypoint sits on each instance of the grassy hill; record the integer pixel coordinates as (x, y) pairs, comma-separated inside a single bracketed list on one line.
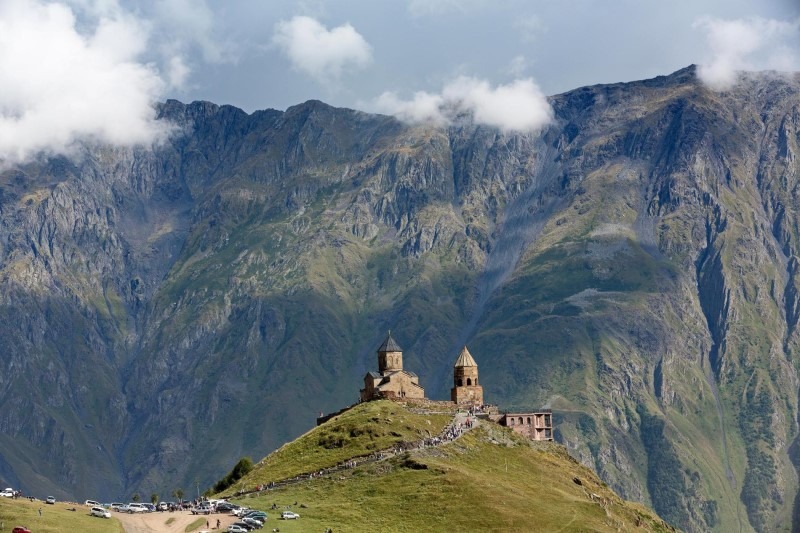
[(490, 479), (55, 518)]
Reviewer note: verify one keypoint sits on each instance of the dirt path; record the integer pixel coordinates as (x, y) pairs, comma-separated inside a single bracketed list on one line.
[(451, 432), (157, 522)]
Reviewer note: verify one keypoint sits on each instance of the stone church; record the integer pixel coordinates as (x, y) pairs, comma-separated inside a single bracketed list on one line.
[(465, 380), (391, 380)]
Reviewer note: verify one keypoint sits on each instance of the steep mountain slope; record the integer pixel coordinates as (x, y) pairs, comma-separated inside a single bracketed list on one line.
[(634, 266)]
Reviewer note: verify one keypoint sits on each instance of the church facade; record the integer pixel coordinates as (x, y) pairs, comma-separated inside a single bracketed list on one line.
[(391, 380)]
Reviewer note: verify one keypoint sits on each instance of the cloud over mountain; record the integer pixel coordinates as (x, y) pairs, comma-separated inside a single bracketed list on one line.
[(64, 81), (517, 106), (747, 44)]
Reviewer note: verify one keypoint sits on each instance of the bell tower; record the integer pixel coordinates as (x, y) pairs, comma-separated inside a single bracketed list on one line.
[(465, 380), (390, 355)]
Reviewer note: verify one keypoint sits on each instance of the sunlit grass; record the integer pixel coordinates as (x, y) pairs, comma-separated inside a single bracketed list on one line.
[(55, 518)]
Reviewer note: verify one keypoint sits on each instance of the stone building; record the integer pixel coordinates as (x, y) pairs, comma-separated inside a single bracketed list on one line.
[(391, 380), (466, 389), (536, 426)]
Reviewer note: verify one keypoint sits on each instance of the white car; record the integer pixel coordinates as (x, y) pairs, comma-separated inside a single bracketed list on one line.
[(100, 512), (235, 528), (137, 508), (91, 503), (289, 515), (8, 493)]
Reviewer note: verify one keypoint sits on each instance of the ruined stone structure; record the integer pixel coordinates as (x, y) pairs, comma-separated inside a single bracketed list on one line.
[(536, 426), (391, 380), (466, 389)]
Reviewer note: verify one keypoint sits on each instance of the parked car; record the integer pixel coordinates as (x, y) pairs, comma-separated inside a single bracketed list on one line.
[(255, 522), (51, 500), (245, 525), (20, 529), (91, 503), (138, 508), (7, 493), (233, 528), (163, 506), (100, 512), (116, 506), (224, 507), (289, 515), (201, 509)]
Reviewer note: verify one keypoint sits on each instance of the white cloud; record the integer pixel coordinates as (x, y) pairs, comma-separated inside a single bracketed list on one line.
[(746, 44), (423, 107), (187, 23), (518, 106), (321, 53), (517, 66), (60, 86), (177, 72)]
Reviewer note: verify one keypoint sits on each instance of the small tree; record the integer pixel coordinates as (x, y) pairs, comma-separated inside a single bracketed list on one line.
[(240, 469), (154, 498), (178, 493), (136, 497)]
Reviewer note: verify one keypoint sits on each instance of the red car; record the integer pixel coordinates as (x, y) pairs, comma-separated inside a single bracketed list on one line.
[(20, 529)]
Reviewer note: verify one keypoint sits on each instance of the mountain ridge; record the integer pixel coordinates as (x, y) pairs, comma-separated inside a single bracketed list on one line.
[(633, 265)]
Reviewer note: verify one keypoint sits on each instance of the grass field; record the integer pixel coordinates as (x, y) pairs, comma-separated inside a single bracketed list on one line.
[(366, 428), (55, 518), (488, 480)]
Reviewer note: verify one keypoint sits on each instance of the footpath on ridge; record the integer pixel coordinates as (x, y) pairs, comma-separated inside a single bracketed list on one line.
[(461, 423)]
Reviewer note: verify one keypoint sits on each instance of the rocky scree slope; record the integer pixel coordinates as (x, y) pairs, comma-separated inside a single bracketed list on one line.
[(633, 266)]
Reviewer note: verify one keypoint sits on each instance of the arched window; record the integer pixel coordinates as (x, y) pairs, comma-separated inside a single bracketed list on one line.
[(511, 421), (520, 420), (476, 382), (460, 382), (469, 382), (529, 420)]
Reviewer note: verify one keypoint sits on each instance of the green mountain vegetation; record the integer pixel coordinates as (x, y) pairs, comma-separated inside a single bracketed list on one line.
[(634, 266), (489, 479)]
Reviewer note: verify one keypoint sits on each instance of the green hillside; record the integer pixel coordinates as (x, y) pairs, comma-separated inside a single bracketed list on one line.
[(54, 518), (489, 479)]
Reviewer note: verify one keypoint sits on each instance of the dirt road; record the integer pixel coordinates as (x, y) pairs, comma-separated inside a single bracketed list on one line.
[(171, 522)]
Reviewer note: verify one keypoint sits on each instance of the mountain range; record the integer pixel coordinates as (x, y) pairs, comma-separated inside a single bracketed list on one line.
[(633, 266)]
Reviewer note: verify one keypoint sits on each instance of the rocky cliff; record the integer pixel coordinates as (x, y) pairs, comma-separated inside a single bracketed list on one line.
[(634, 266)]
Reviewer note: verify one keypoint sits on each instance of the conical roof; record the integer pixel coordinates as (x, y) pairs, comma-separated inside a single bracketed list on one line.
[(465, 359), (389, 345)]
